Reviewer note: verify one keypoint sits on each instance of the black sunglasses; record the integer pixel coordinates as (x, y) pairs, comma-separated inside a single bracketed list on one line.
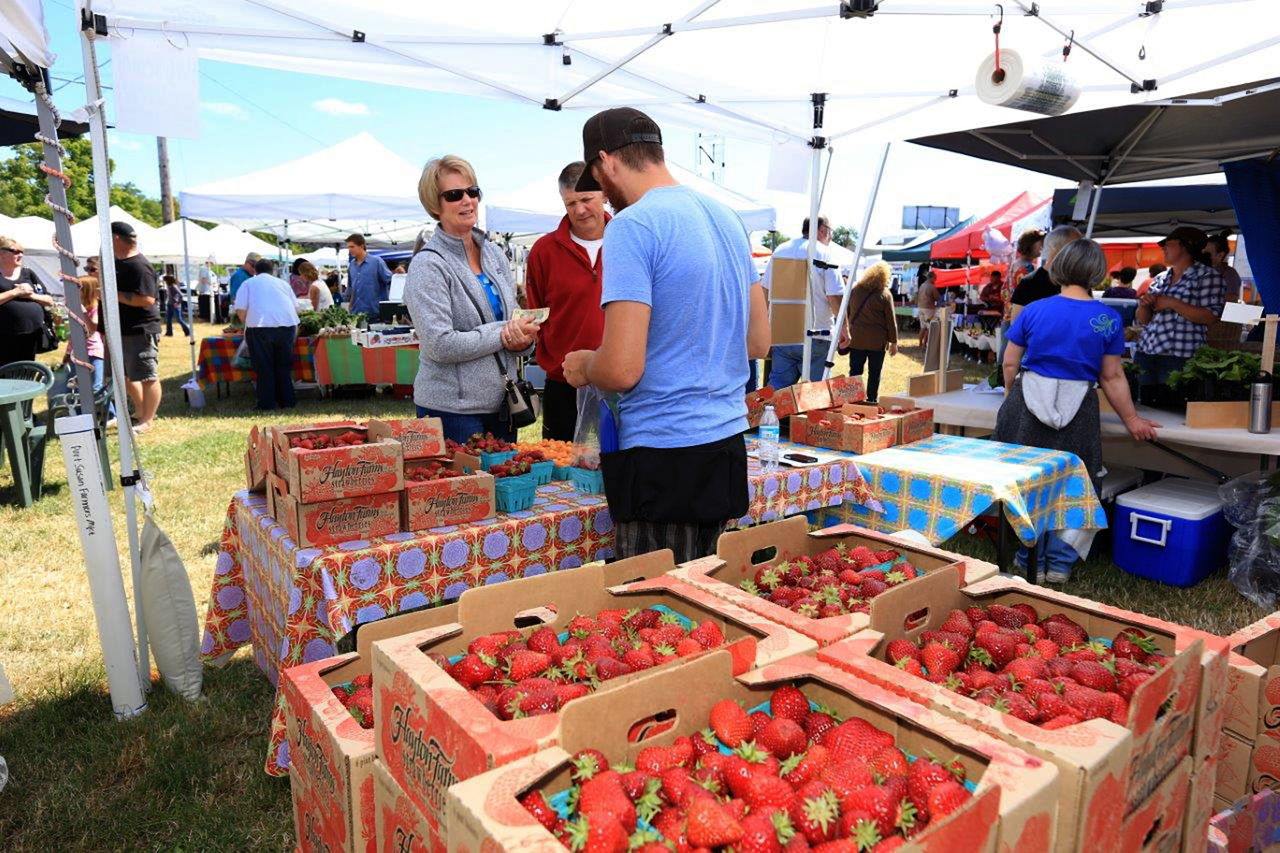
[(12, 251), (454, 196)]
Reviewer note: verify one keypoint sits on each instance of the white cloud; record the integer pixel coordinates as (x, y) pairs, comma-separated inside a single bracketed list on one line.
[(339, 107), (225, 109)]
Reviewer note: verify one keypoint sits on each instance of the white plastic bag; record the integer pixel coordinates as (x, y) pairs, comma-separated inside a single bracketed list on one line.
[(586, 434), (170, 612)]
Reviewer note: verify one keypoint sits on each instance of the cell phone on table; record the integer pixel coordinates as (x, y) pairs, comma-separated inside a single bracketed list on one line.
[(799, 457)]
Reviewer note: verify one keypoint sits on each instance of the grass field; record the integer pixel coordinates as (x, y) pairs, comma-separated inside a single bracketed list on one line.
[(189, 776)]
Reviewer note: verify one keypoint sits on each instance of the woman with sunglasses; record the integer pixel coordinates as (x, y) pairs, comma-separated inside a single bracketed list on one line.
[(461, 295), (23, 300)]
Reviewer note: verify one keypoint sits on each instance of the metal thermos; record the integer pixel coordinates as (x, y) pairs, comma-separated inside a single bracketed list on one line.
[(1260, 405)]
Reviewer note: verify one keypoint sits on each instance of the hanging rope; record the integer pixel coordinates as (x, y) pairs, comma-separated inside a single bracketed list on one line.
[(999, 75)]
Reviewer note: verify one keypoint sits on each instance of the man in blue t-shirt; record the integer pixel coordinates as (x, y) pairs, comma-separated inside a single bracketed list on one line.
[(683, 312)]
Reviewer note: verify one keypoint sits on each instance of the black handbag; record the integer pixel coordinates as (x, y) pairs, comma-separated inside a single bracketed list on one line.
[(521, 404)]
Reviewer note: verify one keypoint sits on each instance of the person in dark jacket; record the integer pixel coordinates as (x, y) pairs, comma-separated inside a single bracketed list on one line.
[(871, 326), (563, 275)]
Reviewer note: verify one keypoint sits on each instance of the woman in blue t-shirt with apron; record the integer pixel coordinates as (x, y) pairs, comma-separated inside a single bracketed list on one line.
[(1060, 349)]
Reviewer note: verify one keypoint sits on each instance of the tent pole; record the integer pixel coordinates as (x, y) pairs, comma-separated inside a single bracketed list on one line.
[(130, 475), (857, 257), (1093, 210), (191, 320), (818, 143)]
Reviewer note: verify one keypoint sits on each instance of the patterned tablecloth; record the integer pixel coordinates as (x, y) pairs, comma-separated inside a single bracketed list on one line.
[(340, 362), (216, 355), (939, 485), (293, 604)]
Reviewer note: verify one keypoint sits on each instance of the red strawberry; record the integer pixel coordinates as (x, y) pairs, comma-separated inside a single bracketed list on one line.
[(599, 833), (1134, 644), (708, 635), (1032, 632), (759, 719), (817, 724), (1059, 667), (789, 703), (634, 783), (639, 659), (923, 776), (889, 762), (1028, 611), (911, 665), (361, 706), (782, 737), (799, 769), (711, 825), (1088, 703), (730, 723), (607, 668), (682, 750), (975, 614), (764, 791), (958, 623), (815, 812), (587, 763), (1064, 633), (489, 644), (885, 809), (362, 681), (526, 664), (939, 659), (1006, 617), (1000, 646), (1046, 648), (537, 805), (1026, 669), (1130, 683), (472, 670), (1051, 705), (688, 646), (1017, 705), (899, 649), (1094, 675), (1119, 709), (764, 832), (855, 738), (946, 798), (704, 743), (544, 640), (539, 702), (1061, 722), (654, 759)]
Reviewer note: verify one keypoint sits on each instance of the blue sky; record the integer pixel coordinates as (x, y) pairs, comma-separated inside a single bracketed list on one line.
[(252, 118)]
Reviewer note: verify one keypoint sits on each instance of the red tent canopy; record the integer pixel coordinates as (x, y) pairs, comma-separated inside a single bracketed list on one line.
[(968, 242), (977, 275)]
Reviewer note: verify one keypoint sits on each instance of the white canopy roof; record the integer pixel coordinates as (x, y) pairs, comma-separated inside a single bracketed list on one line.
[(536, 207), (165, 245), (325, 257), (86, 240), (35, 233), (746, 68), (231, 245), (357, 185)]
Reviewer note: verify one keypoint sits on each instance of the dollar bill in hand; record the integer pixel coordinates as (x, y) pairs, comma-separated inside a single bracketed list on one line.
[(533, 315)]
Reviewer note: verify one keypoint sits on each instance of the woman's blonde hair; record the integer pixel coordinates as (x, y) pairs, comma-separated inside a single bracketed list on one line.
[(90, 290), (877, 276), (308, 270), (429, 183), (9, 243)]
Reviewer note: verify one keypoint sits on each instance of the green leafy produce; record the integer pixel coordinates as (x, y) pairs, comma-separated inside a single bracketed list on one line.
[(312, 322), (1230, 370)]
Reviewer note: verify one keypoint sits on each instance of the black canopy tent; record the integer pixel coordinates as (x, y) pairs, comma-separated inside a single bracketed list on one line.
[(19, 123), (1166, 138), (1150, 212)]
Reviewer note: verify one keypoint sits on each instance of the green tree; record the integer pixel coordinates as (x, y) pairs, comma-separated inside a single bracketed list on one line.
[(22, 185), (773, 240), (845, 236)]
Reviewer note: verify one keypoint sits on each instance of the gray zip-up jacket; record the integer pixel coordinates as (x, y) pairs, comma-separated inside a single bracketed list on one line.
[(457, 372)]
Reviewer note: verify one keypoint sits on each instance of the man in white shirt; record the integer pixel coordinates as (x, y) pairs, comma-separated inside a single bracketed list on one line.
[(267, 307), (824, 294)]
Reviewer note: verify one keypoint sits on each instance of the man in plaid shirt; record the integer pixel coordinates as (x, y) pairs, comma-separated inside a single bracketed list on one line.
[(1178, 309)]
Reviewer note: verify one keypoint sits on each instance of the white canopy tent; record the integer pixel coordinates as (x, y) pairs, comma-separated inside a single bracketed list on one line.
[(326, 257), (166, 244), (358, 185), (784, 72), (536, 208), (231, 245), (84, 234)]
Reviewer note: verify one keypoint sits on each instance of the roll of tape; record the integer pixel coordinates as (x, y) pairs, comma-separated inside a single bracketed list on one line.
[(1031, 84)]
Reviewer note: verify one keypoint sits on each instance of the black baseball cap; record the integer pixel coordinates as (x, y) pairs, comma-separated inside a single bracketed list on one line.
[(1192, 238), (610, 130), (124, 230)]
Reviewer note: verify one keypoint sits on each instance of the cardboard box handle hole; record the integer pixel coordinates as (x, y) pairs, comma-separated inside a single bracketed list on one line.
[(651, 726), (764, 555), (1151, 834), (542, 615), (916, 619), (1166, 705)]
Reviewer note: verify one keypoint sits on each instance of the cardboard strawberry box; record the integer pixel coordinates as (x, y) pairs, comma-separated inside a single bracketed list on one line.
[(1252, 705), (846, 389), (853, 428), (452, 500), (783, 402), (421, 438), (432, 731), (258, 460), (1247, 767), (311, 525), (279, 438), (342, 472), (1246, 825), (1158, 824), (811, 396), (401, 826), (745, 557), (1199, 803), (1010, 805), (1108, 769), (914, 423)]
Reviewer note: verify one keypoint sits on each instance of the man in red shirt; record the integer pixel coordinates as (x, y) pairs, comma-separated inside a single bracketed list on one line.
[(563, 274)]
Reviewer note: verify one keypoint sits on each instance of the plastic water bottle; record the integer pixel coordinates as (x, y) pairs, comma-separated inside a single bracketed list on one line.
[(768, 446)]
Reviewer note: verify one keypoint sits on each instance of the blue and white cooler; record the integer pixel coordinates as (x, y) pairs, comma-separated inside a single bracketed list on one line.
[(1172, 531)]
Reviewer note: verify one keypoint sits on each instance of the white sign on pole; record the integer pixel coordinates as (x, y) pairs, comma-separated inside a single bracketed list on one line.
[(789, 164), (157, 87)]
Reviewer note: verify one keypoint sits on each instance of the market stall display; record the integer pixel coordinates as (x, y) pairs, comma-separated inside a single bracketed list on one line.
[(218, 364), (339, 361)]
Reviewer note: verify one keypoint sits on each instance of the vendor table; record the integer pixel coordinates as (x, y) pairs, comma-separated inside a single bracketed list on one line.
[(1233, 451), (216, 356), (937, 486), (340, 362), (293, 604), (13, 393)]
